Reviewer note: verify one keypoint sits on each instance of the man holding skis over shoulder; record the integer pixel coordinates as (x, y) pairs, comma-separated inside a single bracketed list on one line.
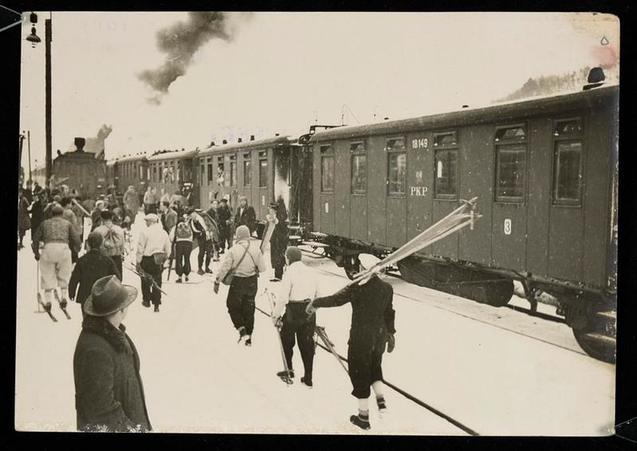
[(298, 288), (372, 328)]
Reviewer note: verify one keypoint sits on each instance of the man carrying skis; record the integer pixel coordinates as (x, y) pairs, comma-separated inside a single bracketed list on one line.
[(182, 237), (244, 261), (58, 236), (298, 288), (204, 239), (372, 328)]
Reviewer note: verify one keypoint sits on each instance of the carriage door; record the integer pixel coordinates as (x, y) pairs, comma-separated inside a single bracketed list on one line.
[(396, 192), (265, 175), (282, 175)]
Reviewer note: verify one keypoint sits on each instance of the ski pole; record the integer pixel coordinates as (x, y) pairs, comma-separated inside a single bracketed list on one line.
[(320, 331), (38, 297), (287, 379)]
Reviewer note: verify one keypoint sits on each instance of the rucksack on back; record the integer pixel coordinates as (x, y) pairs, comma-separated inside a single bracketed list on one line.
[(112, 243), (183, 231)]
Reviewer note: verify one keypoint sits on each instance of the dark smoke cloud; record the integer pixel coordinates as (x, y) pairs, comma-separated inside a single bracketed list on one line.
[(180, 42)]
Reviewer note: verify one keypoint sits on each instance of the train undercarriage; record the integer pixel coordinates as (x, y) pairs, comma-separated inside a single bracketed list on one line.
[(590, 314)]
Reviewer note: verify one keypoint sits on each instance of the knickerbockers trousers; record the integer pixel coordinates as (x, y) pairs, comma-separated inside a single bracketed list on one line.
[(240, 302)]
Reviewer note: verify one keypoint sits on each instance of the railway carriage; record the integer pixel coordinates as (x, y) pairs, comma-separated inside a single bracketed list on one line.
[(131, 170), (544, 171), (172, 172), (262, 170)]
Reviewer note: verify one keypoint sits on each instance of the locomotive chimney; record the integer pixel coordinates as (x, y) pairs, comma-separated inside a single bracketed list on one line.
[(212, 143), (239, 140), (251, 137), (225, 141)]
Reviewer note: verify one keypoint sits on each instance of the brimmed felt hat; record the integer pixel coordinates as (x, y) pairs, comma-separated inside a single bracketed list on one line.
[(108, 295), (274, 205), (367, 260)]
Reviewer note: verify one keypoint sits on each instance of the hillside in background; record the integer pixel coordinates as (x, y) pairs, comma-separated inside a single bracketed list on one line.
[(553, 84)]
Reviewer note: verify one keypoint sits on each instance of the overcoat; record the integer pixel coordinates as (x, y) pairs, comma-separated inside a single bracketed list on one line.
[(109, 395)]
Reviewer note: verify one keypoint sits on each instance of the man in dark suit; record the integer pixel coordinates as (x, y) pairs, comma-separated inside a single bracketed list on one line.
[(245, 215), (372, 328)]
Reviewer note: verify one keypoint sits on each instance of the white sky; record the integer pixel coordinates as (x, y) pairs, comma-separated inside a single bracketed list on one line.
[(284, 70)]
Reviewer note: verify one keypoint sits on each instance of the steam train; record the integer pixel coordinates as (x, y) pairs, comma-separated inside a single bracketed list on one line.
[(544, 171)]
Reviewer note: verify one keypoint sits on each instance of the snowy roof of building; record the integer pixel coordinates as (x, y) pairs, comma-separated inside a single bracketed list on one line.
[(172, 155)]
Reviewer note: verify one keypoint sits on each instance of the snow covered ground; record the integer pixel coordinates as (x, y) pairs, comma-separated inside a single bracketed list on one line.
[(497, 371)]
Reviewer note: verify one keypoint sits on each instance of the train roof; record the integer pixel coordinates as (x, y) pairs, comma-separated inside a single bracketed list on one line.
[(248, 145), (173, 155), (128, 158), (468, 115)]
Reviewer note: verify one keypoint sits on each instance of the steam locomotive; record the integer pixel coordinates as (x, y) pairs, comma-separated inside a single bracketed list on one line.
[(544, 171)]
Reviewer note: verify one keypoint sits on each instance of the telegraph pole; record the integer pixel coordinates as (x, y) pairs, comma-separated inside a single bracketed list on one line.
[(47, 42)]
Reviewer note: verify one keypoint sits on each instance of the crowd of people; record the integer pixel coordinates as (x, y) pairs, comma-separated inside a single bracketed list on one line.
[(106, 363)]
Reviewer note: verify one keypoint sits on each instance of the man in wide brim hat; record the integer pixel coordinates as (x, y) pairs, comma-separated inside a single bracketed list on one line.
[(108, 389), (108, 296)]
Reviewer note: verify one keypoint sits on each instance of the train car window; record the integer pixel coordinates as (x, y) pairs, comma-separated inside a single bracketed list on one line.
[(263, 172), (397, 173), (247, 170), (445, 140), (510, 170), (567, 128), (356, 147), (359, 174), (327, 169), (567, 163), (233, 170), (514, 133), (202, 164), (210, 173), (395, 144), (446, 176), (510, 163), (568, 173)]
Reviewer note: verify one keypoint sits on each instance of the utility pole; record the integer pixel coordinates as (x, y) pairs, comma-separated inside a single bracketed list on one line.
[(47, 42), (29, 151)]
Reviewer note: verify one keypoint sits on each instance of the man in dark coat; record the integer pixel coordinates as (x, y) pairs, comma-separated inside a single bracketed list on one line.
[(245, 215), (224, 216), (37, 212), (279, 238), (371, 329), (109, 395), (91, 266)]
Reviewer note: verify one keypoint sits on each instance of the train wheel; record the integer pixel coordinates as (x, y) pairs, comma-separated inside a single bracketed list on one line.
[(499, 293), (352, 266), (595, 331)]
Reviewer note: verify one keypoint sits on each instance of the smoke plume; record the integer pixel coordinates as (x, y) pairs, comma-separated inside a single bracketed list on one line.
[(180, 42)]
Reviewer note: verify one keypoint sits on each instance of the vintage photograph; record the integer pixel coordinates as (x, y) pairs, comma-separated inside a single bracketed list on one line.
[(361, 223)]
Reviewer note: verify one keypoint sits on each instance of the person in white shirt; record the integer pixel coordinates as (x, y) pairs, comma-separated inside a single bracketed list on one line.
[(298, 288), (153, 247), (245, 261)]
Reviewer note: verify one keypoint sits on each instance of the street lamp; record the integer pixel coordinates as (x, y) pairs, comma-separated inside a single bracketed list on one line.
[(34, 39)]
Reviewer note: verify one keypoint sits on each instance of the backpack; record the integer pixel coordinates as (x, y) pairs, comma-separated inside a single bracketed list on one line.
[(112, 243), (183, 231)]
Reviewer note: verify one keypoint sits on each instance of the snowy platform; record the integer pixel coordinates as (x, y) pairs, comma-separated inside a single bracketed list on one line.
[(497, 371)]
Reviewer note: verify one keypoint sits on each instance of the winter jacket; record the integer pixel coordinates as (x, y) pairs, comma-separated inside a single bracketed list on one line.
[(24, 222), (246, 217), (372, 311), (91, 266), (109, 395)]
